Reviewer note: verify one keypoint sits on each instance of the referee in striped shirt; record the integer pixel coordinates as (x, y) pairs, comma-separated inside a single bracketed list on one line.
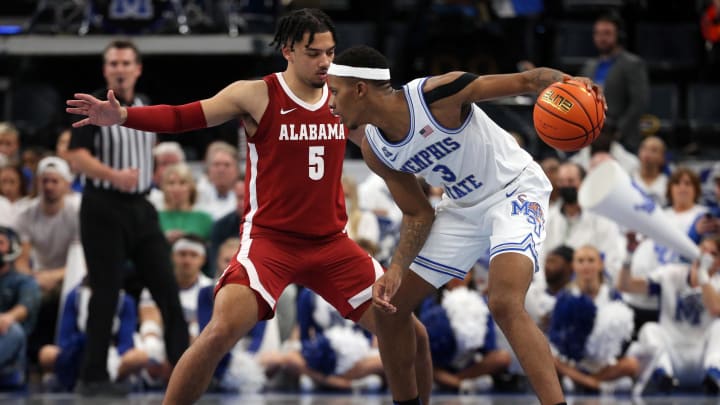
[(118, 224)]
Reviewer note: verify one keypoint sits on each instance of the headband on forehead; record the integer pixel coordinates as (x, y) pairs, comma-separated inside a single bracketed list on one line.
[(359, 72), (191, 245)]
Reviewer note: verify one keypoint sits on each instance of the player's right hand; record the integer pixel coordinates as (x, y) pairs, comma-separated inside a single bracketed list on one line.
[(125, 179), (385, 288), (98, 112)]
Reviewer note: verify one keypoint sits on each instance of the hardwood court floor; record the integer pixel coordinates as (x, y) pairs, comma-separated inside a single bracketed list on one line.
[(333, 399)]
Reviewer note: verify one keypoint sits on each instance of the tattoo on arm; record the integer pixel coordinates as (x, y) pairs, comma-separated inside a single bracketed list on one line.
[(540, 78), (413, 233)]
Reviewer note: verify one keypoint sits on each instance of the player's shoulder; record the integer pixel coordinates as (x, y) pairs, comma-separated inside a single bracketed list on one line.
[(251, 86)]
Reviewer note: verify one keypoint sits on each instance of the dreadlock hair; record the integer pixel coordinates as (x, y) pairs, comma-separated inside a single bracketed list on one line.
[(365, 57), (294, 25)]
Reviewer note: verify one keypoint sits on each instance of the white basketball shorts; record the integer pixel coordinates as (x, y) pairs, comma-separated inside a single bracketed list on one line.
[(510, 220)]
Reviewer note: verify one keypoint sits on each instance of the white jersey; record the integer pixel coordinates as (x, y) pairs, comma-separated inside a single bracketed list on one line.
[(470, 162), (682, 312)]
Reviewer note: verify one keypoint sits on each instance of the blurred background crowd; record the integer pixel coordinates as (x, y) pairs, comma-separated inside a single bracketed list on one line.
[(621, 311)]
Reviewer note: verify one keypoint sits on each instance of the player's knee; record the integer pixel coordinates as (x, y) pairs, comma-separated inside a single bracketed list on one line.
[(504, 307), (386, 320), (223, 335)]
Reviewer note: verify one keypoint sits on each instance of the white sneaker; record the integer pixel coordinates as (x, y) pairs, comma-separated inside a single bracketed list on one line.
[(372, 382), (484, 383), (568, 384), (306, 383)]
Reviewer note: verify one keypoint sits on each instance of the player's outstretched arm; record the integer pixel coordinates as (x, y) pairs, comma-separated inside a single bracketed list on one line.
[(533, 81), (418, 216), (236, 100)]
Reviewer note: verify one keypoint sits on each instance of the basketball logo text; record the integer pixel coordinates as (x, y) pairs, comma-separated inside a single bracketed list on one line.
[(557, 101)]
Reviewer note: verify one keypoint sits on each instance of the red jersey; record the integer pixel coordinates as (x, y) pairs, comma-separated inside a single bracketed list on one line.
[(294, 167)]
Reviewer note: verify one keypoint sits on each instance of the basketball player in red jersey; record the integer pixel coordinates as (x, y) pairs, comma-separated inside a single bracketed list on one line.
[(295, 208)]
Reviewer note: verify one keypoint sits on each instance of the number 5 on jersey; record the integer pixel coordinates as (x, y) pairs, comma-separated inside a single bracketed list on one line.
[(316, 164)]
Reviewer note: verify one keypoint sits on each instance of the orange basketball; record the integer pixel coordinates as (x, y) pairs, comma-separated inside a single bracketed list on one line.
[(567, 116)]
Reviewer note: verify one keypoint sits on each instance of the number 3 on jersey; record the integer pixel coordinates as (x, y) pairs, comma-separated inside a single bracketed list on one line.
[(316, 164)]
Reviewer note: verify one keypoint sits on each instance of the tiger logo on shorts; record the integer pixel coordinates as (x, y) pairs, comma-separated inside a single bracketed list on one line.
[(532, 210)]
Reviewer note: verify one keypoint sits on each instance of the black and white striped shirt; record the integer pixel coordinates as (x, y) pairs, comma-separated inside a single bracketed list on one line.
[(118, 147)]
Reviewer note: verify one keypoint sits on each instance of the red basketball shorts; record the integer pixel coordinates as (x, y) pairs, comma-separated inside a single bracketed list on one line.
[(336, 268)]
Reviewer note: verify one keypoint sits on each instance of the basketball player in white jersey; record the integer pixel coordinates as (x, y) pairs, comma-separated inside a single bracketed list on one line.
[(495, 200), (684, 345)]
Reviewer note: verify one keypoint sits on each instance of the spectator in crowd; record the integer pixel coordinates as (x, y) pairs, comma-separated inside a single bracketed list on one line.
[(225, 254), (568, 224), (61, 148), (14, 187), (164, 154), (227, 226), (118, 224), (462, 338), (682, 349), (243, 368), (47, 229), (178, 218), (540, 299), (606, 146), (550, 166), (19, 302), (362, 225), (374, 196), (650, 175), (215, 193), (710, 25), (64, 358), (188, 257), (7, 215), (334, 353), (589, 328), (683, 194), (708, 224), (9, 142), (623, 76)]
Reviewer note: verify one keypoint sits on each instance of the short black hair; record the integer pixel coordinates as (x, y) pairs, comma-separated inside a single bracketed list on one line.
[(123, 44), (363, 56), (294, 25), (566, 252)]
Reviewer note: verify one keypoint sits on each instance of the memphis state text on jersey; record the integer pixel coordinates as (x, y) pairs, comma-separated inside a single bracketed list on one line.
[(311, 132)]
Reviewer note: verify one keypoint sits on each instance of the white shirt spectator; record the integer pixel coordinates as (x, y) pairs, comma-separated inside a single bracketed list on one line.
[(210, 201), (367, 228), (6, 214), (657, 189), (188, 301), (375, 197), (50, 236), (627, 160), (684, 220), (586, 229)]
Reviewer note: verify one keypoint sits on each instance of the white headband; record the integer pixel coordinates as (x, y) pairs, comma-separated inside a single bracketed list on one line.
[(359, 72), (187, 244)]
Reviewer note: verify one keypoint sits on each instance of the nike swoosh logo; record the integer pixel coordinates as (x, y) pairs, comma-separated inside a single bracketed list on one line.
[(284, 111), (512, 192)]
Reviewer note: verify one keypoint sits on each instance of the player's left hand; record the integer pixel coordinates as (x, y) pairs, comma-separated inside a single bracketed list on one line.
[(385, 288), (592, 86)]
